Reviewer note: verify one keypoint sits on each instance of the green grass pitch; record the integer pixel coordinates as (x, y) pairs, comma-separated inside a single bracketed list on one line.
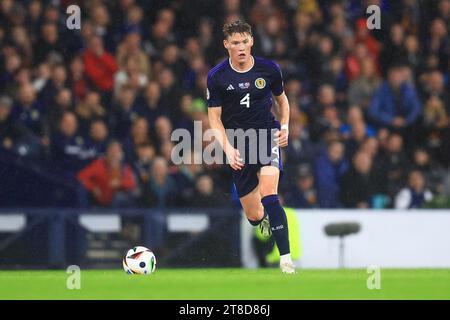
[(228, 284)]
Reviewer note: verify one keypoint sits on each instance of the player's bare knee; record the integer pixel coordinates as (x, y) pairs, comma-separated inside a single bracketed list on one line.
[(255, 213), (268, 190), (268, 181), (269, 172)]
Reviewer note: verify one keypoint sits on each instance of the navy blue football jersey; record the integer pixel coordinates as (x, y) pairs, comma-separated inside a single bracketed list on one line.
[(245, 97)]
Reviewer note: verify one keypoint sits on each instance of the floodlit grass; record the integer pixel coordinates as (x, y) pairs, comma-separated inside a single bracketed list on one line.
[(227, 284)]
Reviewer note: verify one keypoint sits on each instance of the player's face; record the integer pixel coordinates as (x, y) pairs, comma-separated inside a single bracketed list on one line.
[(239, 46)]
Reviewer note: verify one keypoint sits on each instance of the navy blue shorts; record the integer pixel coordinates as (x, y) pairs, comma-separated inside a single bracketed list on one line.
[(255, 157)]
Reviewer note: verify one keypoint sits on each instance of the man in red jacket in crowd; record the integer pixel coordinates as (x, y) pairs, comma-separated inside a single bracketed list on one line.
[(109, 180), (99, 65)]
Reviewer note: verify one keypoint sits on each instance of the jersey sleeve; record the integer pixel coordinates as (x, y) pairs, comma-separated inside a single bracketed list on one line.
[(213, 95), (277, 81)]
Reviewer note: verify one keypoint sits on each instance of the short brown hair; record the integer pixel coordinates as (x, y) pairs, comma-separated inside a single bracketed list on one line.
[(237, 26)]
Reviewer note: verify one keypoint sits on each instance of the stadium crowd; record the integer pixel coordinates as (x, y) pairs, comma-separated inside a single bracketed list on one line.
[(370, 109)]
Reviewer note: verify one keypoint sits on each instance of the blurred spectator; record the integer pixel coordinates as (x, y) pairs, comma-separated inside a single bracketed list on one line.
[(151, 107), (414, 195), (124, 112), (318, 54), (42, 75), (355, 59), (101, 21), (435, 87), (205, 194), (34, 18), (11, 133), (412, 48), (335, 75), (171, 59), (194, 109), (325, 115), (145, 153), (395, 103), (329, 169), (303, 193), (358, 182), (63, 103), (109, 180), (22, 41), (11, 63), (436, 120), (363, 87), (207, 42), (77, 78), (432, 171), (51, 13), (186, 176), (89, 108), (170, 93), (363, 36), (8, 131), (57, 82), (99, 65), (163, 129), (355, 117), (161, 32), (29, 111), (161, 190), (392, 165), (21, 77), (356, 131), (98, 137), (438, 43), (131, 75), (133, 20), (165, 150), (300, 149), (370, 146), (68, 148), (436, 117), (49, 43), (443, 11), (393, 52), (139, 135)]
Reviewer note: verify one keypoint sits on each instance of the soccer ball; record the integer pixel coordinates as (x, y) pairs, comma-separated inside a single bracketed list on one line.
[(139, 260)]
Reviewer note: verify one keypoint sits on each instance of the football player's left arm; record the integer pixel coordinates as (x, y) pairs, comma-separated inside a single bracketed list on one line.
[(283, 110)]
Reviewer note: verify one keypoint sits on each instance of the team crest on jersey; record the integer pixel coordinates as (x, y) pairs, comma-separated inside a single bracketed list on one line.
[(244, 85), (260, 83)]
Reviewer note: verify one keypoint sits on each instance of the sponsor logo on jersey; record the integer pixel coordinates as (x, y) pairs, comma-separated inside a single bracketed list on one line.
[(244, 85), (230, 87), (260, 83)]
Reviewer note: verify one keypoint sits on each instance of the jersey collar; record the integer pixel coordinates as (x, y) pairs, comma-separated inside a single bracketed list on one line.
[(244, 71)]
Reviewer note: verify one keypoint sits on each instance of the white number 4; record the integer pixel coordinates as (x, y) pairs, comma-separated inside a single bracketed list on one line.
[(246, 100)]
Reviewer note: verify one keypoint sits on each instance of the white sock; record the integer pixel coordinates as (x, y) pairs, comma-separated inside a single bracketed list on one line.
[(285, 258)]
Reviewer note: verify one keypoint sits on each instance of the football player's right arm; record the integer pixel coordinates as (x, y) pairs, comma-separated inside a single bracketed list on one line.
[(233, 156)]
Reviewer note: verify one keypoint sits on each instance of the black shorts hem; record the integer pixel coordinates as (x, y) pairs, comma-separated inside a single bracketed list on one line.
[(247, 190)]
